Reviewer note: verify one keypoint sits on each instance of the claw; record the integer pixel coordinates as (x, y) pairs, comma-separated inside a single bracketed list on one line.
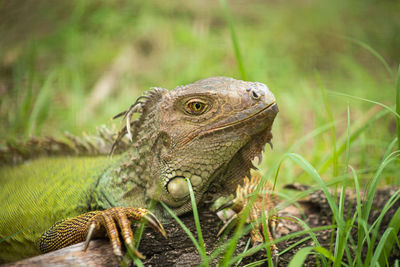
[(118, 253), (270, 144), (226, 205), (227, 224), (89, 235), (272, 226), (135, 252), (275, 255), (260, 157), (154, 223)]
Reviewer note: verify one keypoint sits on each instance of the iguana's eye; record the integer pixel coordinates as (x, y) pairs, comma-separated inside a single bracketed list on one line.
[(196, 107)]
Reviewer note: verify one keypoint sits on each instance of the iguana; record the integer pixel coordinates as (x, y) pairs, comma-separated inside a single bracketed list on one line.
[(207, 132)]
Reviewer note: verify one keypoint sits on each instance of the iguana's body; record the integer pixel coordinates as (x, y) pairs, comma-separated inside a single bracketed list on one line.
[(208, 132), (36, 195)]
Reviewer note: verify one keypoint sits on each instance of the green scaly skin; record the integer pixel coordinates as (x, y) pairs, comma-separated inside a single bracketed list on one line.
[(208, 131), (37, 194)]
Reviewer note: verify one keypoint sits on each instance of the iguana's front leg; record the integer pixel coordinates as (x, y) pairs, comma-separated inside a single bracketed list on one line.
[(96, 223)]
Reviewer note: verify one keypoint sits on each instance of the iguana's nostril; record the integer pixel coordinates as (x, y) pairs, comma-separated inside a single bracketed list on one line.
[(255, 95)]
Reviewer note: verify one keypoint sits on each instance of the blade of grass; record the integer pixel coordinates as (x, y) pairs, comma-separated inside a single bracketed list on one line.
[(359, 214), (31, 78), (341, 231), (24, 91), (350, 248), (300, 257), (398, 106), (332, 121), (256, 263), (139, 233), (10, 236), (244, 250), (347, 155), (379, 248), (294, 245), (344, 240), (265, 228), (138, 262), (372, 51), (325, 252), (388, 246), (390, 147), (234, 38), (197, 223), (359, 130), (41, 106), (367, 100)]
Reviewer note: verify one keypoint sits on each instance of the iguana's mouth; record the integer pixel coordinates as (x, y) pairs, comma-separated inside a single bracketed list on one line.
[(269, 111), (261, 113)]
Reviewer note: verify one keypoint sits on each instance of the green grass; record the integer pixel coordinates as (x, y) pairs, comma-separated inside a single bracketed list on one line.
[(338, 130), (398, 106)]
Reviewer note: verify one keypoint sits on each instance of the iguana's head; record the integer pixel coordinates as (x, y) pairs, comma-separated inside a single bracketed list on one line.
[(208, 131)]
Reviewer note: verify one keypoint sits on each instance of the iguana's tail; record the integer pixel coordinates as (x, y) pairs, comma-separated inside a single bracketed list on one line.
[(85, 145), (105, 142)]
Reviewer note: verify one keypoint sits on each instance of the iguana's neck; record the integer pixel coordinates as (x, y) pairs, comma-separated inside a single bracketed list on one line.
[(123, 183)]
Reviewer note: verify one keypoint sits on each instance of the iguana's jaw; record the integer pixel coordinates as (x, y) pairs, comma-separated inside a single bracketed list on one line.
[(229, 174), (241, 163)]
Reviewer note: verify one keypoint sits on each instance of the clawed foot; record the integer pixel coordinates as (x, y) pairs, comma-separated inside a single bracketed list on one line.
[(265, 201), (107, 219)]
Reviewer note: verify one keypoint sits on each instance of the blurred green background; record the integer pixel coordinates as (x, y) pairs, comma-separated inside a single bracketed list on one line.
[(72, 65)]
